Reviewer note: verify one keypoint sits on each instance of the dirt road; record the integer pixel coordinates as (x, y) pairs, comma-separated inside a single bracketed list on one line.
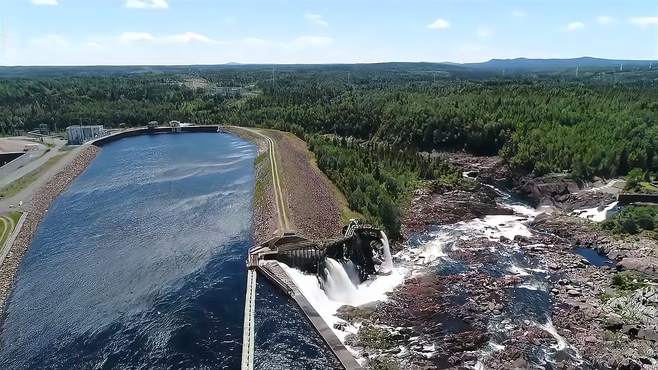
[(25, 195), (282, 211)]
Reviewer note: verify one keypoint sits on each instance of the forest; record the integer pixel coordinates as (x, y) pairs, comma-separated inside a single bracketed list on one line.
[(599, 123), (377, 179)]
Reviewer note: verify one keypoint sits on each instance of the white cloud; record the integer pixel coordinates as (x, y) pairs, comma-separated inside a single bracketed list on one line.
[(312, 41), (51, 41), (182, 38), (439, 24), (189, 37), (45, 2), (316, 19), (575, 26), (485, 32), (254, 41), (605, 20), (146, 4), (136, 37), (519, 13), (644, 21), (93, 45)]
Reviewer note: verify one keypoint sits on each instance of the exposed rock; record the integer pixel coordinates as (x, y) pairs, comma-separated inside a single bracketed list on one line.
[(646, 264), (545, 190), (351, 313), (449, 205)]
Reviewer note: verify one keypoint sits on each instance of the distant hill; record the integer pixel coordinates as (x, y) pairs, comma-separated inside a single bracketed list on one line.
[(558, 65), (466, 70)]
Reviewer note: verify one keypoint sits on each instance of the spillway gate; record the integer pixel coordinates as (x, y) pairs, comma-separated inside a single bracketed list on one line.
[(358, 244)]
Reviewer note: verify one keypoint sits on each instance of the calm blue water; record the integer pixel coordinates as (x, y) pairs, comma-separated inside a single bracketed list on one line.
[(595, 258), (141, 264)]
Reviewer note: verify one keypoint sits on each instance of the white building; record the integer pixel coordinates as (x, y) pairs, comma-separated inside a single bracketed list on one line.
[(77, 135)]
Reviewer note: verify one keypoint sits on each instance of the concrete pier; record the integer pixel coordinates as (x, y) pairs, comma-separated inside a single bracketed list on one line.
[(249, 322)]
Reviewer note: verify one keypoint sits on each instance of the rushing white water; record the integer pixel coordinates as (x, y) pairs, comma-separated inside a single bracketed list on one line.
[(491, 227), (386, 266), (511, 261), (550, 329), (341, 279), (594, 214), (342, 285), (337, 284)]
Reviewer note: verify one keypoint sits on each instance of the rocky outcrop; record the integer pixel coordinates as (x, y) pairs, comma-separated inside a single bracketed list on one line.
[(487, 169), (561, 192), (544, 190), (448, 205), (646, 264)]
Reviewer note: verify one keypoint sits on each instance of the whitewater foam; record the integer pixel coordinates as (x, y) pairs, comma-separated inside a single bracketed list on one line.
[(386, 266), (594, 214), (327, 301)]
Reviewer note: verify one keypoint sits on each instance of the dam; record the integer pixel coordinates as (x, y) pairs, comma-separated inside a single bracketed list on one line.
[(141, 263), (364, 247), (150, 271)]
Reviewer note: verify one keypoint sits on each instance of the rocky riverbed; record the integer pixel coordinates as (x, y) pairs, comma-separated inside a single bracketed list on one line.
[(41, 201), (497, 284)]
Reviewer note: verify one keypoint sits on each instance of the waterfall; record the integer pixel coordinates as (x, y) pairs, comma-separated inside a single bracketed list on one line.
[(337, 285), (387, 266), (594, 214), (350, 268)]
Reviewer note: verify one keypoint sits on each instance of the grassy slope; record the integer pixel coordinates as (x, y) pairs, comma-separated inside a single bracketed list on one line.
[(23, 182), (7, 224)]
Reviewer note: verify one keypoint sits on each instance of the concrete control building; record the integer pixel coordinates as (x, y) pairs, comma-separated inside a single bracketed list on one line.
[(77, 135)]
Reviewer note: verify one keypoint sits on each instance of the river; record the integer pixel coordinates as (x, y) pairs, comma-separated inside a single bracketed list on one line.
[(497, 257), (141, 264)]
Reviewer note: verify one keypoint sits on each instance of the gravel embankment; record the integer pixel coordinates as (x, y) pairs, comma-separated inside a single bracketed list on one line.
[(264, 216), (41, 201), (313, 208)]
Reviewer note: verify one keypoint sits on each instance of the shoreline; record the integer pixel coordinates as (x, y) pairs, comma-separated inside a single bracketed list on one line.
[(263, 212), (37, 210)]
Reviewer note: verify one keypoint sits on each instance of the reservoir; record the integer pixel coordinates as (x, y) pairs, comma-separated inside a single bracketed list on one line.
[(141, 264)]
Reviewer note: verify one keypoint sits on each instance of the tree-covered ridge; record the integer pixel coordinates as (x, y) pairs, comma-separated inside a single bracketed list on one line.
[(377, 179), (602, 124), (538, 127)]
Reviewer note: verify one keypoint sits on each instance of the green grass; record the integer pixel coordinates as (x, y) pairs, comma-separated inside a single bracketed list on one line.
[(261, 180), (647, 187), (25, 181), (627, 281), (6, 227)]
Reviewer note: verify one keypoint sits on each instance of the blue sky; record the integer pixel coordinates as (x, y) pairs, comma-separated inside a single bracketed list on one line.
[(86, 32)]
